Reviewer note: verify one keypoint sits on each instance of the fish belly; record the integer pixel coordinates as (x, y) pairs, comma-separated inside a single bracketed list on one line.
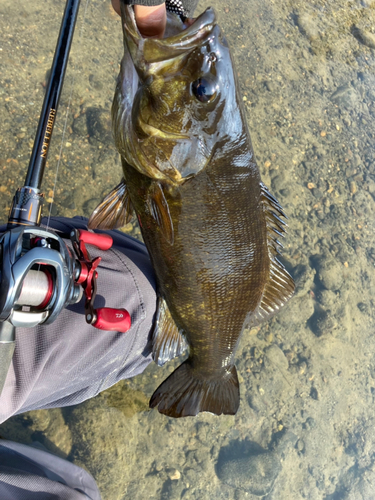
[(212, 276)]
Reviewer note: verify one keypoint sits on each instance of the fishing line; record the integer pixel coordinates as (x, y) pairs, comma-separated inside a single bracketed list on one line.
[(66, 117)]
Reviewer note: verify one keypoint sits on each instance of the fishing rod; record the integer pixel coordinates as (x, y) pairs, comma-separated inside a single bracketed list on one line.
[(28, 200), (39, 273)]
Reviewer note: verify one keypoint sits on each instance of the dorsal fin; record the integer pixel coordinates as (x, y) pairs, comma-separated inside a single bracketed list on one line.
[(167, 340), (280, 285), (114, 211), (159, 211)]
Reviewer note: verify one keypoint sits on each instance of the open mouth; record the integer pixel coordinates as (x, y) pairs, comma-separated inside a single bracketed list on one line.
[(180, 35)]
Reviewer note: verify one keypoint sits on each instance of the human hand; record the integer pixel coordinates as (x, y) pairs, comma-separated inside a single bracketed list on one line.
[(151, 21)]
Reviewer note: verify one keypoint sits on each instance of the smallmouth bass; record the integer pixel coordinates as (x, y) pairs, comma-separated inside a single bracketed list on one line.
[(210, 225)]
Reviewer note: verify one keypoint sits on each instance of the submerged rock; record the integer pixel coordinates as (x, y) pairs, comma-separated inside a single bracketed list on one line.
[(245, 465), (330, 274), (345, 96), (364, 37), (254, 472)]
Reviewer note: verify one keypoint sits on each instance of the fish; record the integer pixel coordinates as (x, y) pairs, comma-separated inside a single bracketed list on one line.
[(211, 227)]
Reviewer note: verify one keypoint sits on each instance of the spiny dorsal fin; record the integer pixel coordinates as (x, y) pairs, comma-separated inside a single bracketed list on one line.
[(114, 211), (280, 285), (167, 340), (159, 211)]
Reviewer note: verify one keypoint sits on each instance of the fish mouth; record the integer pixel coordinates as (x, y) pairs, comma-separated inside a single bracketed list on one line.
[(180, 38), (153, 57)]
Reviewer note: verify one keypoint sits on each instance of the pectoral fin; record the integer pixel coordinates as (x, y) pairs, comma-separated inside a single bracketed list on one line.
[(167, 341), (159, 211), (114, 211)]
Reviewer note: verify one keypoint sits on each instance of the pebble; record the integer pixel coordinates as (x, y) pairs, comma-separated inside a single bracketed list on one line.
[(95, 82), (300, 446), (322, 322), (80, 125), (314, 393), (330, 274), (90, 205), (174, 475), (310, 423), (99, 126), (353, 187), (308, 26), (345, 96), (326, 298), (365, 37), (50, 209), (275, 357)]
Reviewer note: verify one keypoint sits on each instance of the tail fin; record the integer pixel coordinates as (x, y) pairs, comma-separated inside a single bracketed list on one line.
[(182, 394)]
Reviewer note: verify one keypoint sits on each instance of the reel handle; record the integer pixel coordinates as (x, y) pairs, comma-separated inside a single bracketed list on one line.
[(113, 320), (101, 241)]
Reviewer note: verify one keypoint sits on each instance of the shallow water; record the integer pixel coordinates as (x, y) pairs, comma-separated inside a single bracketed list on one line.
[(305, 427)]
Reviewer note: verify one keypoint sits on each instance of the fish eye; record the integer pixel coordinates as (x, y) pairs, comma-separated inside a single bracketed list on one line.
[(204, 88)]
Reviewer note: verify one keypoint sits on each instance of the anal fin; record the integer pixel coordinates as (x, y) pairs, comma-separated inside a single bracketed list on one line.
[(167, 340), (114, 211)]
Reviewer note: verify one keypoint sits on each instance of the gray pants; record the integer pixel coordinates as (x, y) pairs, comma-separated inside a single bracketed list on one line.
[(69, 361)]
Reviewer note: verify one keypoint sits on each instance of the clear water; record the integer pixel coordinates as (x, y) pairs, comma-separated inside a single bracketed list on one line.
[(305, 427)]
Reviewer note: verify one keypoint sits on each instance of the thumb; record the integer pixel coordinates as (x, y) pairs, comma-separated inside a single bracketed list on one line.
[(151, 21)]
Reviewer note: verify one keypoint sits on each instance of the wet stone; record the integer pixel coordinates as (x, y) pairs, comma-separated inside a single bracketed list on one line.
[(80, 125), (317, 193), (297, 311), (303, 277), (364, 37), (90, 205), (99, 125), (326, 298), (50, 209), (308, 26), (330, 274), (95, 82), (275, 356), (172, 490), (300, 446), (322, 322), (314, 393), (345, 96), (68, 202), (363, 307), (309, 424), (255, 472)]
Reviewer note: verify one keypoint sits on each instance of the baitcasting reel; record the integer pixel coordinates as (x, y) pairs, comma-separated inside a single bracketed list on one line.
[(39, 274)]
